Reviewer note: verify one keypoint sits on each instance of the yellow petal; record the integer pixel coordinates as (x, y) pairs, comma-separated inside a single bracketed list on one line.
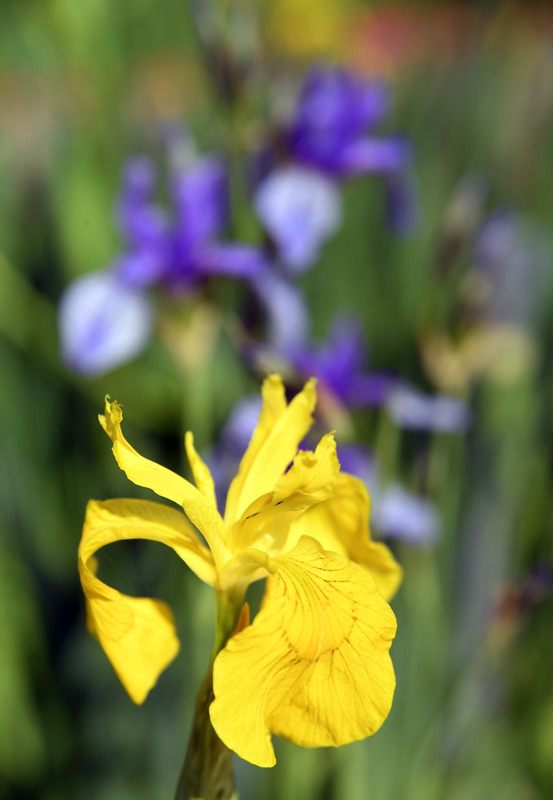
[(201, 512), (114, 520), (312, 475), (137, 634), (200, 471), (273, 445), (341, 524), (310, 479), (314, 666)]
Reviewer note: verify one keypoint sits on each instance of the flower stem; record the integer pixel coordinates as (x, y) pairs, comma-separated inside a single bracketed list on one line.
[(207, 770)]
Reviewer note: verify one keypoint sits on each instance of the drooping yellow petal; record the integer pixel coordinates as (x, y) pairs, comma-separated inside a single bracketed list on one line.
[(200, 510), (137, 634), (310, 479), (341, 524), (314, 666), (115, 520), (274, 444)]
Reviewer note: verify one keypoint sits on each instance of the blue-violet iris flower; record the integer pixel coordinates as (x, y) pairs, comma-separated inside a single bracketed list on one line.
[(332, 128), (105, 318), (339, 366), (330, 138)]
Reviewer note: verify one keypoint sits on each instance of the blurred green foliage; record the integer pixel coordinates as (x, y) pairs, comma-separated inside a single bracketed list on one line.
[(84, 85)]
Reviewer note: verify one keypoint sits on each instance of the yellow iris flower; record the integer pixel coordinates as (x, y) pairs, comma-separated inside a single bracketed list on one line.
[(314, 665)]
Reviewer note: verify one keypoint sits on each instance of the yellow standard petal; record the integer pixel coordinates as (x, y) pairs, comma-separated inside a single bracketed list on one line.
[(274, 444), (314, 667), (198, 503), (137, 634), (341, 524), (200, 471), (310, 480)]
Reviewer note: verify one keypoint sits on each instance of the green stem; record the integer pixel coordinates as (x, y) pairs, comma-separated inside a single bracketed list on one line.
[(387, 446), (207, 770)]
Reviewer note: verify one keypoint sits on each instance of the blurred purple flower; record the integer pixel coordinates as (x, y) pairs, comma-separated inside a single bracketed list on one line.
[(339, 365), (513, 258), (102, 323), (105, 318), (286, 315), (400, 514), (300, 209), (179, 249), (328, 140), (142, 226), (329, 130), (414, 410), (241, 424), (200, 199)]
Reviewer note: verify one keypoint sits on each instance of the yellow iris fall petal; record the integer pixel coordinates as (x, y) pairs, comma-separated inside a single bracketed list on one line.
[(314, 666), (137, 634), (341, 524)]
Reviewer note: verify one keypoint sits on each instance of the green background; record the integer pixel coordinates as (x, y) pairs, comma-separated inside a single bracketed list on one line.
[(85, 84)]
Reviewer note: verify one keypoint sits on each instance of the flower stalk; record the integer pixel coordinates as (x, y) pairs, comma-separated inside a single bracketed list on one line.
[(207, 770)]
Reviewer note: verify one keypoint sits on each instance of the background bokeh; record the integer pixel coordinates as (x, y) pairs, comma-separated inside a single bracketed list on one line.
[(85, 85)]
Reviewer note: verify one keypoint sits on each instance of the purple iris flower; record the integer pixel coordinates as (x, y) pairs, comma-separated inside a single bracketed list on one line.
[(180, 248), (105, 318), (339, 365), (330, 138), (330, 130), (142, 226)]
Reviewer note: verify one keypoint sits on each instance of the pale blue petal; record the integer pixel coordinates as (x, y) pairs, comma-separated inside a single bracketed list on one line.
[(414, 410), (400, 514), (102, 323), (300, 209), (287, 318)]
